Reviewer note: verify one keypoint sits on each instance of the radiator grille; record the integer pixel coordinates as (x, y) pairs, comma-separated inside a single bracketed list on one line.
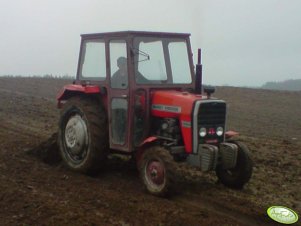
[(212, 115)]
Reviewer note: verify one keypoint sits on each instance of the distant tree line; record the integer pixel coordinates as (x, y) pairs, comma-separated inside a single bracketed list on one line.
[(49, 76), (290, 85)]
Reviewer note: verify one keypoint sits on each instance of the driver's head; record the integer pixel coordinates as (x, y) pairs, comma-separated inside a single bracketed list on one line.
[(121, 62)]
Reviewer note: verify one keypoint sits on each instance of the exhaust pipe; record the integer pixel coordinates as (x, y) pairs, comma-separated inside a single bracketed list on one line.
[(198, 74)]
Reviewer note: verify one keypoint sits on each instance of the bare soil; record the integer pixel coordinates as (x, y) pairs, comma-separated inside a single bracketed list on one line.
[(33, 192)]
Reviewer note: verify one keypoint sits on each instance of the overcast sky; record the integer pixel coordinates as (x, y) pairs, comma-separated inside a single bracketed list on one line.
[(244, 42)]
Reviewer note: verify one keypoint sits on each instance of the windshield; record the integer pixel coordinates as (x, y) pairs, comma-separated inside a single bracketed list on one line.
[(161, 61)]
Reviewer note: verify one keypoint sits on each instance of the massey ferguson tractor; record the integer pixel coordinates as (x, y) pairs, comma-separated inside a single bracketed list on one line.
[(138, 94)]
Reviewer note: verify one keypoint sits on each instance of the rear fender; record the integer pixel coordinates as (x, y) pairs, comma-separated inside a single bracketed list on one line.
[(73, 90)]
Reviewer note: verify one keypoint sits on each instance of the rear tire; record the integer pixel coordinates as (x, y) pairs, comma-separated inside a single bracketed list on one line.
[(238, 176), (83, 134), (156, 171)]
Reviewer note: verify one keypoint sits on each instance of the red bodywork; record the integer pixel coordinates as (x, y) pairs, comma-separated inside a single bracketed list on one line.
[(73, 90), (175, 104), (164, 104), (70, 90)]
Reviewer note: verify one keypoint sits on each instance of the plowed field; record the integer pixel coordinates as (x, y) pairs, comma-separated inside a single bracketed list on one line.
[(35, 193)]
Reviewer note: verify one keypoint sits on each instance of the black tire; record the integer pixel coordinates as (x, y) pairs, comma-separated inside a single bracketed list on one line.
[(162, 157), (87, 152), (237, 177)]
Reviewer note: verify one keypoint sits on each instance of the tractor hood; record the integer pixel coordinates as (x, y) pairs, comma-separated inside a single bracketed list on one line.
[(181, 106), (171, 103)]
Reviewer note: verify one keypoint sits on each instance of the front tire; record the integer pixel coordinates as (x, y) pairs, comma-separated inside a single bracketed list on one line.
[(238, 176), (83, 134), (156, 171)]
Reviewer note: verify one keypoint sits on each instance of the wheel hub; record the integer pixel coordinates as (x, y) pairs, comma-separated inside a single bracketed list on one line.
[(155, 172), (76, 135)]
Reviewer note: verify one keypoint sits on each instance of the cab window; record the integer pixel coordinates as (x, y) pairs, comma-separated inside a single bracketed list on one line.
[(93, 60)]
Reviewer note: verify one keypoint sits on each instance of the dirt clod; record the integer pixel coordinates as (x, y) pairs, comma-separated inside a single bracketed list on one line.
[(47, 151)]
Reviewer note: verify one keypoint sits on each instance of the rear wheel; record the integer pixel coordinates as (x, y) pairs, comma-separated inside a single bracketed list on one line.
[(156, 170), (83, 134), (238, 176)]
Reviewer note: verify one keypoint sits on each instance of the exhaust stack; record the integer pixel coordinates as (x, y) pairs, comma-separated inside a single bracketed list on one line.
[(198, 74)]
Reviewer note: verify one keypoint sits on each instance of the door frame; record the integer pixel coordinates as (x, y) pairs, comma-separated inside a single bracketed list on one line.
[(122, 94)]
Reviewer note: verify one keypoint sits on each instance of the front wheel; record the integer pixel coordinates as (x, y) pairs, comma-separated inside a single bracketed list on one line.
[(238, 176), (156, 171)]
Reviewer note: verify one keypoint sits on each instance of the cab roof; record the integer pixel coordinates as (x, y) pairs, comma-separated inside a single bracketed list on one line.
[(135, 33)]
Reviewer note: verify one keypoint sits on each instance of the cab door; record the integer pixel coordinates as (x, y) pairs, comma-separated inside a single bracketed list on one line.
[(118, 95)]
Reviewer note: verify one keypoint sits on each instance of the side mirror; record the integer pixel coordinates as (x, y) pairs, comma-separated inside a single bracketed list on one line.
[(209, 90)]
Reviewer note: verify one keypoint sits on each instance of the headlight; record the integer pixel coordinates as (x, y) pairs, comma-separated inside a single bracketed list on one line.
[(202, 132), (219, 131)]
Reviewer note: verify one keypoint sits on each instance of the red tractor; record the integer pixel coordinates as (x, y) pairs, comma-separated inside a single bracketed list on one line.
[(136, 93)]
